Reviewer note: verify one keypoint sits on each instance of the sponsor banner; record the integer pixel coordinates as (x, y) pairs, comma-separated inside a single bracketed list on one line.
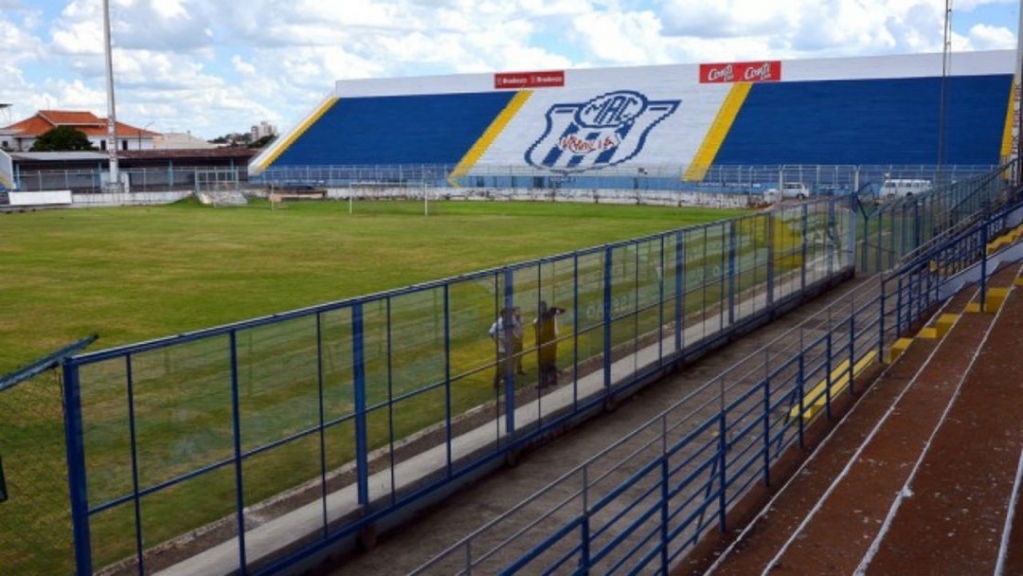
[(521, 80), (767, 71)]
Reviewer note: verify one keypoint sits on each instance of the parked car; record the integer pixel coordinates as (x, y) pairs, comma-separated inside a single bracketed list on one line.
[(903, 187), (797, 190)]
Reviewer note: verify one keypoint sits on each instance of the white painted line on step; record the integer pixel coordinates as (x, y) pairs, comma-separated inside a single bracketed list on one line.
[(907, 490), (1003, 550), (766, 509), (856, 456)]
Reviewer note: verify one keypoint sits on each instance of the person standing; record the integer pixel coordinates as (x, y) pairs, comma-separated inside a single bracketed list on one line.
[(501, 332), (546, 327)]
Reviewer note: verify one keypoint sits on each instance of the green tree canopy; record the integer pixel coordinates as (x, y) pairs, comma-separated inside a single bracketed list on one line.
[(62, 138), (262, 142)]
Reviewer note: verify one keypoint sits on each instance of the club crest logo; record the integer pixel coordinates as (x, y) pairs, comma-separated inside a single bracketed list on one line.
[(607, 130)]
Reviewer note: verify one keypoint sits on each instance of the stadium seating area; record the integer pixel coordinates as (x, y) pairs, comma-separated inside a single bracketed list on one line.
[(425, 129), (891, 121), (662, 122)]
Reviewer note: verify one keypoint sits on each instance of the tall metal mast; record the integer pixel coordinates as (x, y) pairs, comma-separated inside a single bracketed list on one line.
[(946, 64), (115, 180)]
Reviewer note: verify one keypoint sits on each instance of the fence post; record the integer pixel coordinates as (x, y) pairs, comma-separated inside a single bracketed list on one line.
[(827, 373), (509, 365), (722, 469), (831, 246), (767, 428), (801, 393), (731, 272), (361, 432), (898, 309), (584, 560), (608, 294), (983, 263), (680, 289), (880, 336), (770, 261), (239, 480), (852, 348), (880, 227), (665, 495), (77, 480), (805, 234)]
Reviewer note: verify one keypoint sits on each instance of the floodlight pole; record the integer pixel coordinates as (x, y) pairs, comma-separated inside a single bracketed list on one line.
[(946, 64), (111, 112)]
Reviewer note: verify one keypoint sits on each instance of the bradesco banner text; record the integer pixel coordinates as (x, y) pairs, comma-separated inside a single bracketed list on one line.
[(518, 80)]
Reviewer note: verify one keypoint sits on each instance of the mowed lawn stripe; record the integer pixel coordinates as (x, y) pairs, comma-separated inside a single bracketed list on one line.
[(132, 274)]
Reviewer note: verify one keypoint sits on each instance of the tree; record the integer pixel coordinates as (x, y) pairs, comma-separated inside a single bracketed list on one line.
[(262, 142), (62, 138)]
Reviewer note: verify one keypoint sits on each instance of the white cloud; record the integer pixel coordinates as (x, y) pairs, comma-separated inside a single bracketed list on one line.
[(621, 38), (17, 41), (80, 30), (215, 67), (244, 68), (986, 37)]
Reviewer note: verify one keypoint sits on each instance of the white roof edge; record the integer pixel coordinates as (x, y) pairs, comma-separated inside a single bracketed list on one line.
[(974, 63)]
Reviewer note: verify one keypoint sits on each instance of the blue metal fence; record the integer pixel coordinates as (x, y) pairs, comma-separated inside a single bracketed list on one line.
[(643, 503), (228, 430), (820, 180), (332, 419)]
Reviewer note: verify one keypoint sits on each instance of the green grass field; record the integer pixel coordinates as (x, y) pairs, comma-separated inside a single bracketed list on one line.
[(131, 274)]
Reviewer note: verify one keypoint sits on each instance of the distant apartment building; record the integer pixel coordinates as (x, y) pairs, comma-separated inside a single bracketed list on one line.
[(262, 130)]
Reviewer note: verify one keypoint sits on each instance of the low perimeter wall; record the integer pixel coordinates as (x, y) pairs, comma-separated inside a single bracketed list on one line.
[(594, 196), (128, 199), (631, 197), (50, 198)]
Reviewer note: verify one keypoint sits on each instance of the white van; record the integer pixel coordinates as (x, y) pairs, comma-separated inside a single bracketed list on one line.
[(796, 190), (901, 188)]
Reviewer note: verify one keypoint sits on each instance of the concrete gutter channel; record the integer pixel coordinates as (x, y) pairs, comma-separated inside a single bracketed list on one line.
[(286, 533)]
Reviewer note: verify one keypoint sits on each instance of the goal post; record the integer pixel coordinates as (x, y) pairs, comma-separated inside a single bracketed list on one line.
[(219, 187)]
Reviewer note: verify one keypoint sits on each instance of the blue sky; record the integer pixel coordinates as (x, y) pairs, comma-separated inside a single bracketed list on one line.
[(211, 67)]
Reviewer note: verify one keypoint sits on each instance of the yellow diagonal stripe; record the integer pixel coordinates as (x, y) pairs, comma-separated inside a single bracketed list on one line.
[(278, 150), (718, 131), (489, 135), (1009, 117)]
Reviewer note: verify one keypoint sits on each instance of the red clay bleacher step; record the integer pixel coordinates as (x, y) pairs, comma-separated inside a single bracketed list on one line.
[(954, 516)]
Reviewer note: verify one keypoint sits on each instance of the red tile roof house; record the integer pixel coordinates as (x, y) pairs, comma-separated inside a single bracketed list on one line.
[(21, 135)]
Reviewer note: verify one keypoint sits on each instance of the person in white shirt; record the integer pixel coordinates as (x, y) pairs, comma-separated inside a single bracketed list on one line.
[(502, 333)]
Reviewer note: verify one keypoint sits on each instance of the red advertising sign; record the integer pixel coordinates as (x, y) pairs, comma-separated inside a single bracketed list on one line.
[(518, 80), (768, 71)]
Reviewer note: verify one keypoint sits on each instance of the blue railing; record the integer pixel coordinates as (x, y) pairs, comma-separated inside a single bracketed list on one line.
[(337, 417), (821, 180), (675, 479), (369, 405)]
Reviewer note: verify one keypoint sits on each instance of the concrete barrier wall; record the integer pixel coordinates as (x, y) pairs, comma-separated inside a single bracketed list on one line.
[(49, 198), (129, 199), (591, 196)]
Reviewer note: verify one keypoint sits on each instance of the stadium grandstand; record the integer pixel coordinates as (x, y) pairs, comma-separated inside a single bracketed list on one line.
[(570, 128)]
